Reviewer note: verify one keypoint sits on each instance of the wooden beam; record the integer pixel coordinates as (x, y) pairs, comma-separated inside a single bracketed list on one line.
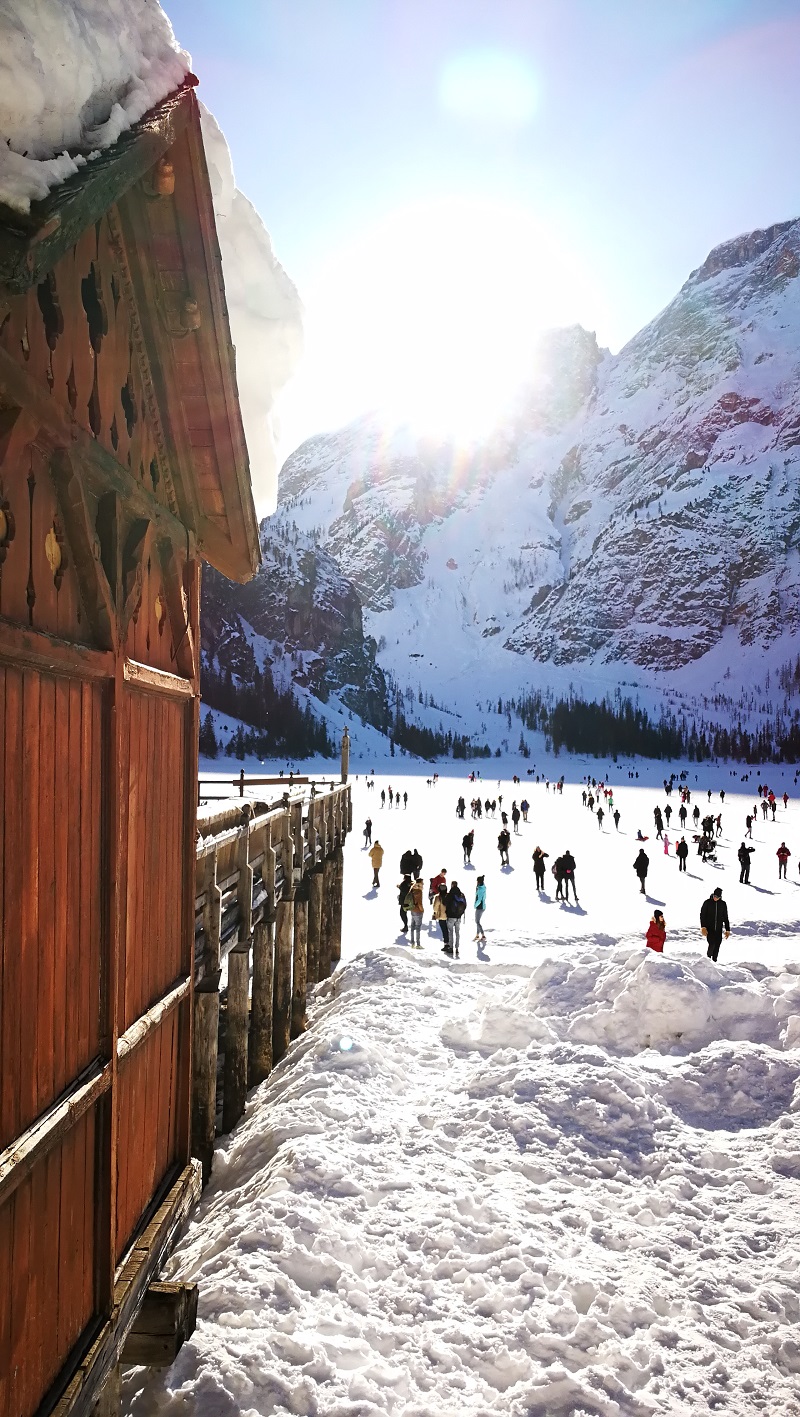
[(38, 650), (259, 1058), (141, 1027), (168, 1317), (236, 1028), (282, 984), (142, 1263), (315, 890), (299, 965), (19, 1158), (159, 681)]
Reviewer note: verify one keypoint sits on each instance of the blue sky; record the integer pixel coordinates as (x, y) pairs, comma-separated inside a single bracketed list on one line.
[(632, 135)]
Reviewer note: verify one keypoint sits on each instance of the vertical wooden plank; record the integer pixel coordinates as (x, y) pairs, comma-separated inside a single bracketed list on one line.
[(20, 1271), (89, 956), (204, 1061), (97, 925), (3, 932), (14, 877), (6, 1256), (337, 889), (73, 942), (49, 1003), (29, 938), (64, 795), (327, 917)]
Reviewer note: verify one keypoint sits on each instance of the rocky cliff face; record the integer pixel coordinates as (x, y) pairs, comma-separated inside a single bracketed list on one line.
[(300, 617)]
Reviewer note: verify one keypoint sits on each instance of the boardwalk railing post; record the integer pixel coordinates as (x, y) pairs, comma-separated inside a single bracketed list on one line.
[(260, 1043), (284, 921), (299, 963), (236, 1024), (315, 886), (337, 884), (325, 934), (205, 1038)]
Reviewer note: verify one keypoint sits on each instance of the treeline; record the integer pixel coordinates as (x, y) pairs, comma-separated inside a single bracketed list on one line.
[(430, 743), (278, 726)]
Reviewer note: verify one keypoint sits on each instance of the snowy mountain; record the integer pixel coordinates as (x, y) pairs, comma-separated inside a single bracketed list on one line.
[(635, 519)]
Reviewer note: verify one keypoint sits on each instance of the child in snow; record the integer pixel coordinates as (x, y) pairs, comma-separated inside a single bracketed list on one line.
[(656, 932)]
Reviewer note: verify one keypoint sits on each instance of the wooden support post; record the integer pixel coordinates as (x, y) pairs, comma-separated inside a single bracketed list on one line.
[(168, 1317), (244, 889), (235, 1074), (109, 1403), (205, 1042), (314, 926), (336, 905), (282, 988), (260, 1044), (299, 964), (325, 936)]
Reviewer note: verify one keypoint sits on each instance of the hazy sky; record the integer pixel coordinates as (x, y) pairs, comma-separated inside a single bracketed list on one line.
[(440, 177)]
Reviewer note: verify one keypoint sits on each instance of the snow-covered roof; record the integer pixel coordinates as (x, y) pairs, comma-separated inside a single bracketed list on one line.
[(74, 75)]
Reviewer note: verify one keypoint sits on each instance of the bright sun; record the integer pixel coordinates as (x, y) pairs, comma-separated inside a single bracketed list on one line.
[(432, 315)]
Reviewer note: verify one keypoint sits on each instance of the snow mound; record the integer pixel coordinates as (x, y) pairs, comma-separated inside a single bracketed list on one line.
[(400, 1226), (74, 74), (630, 999)]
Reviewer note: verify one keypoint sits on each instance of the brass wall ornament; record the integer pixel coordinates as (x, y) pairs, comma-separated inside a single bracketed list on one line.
[(54, 551), (160, 613)]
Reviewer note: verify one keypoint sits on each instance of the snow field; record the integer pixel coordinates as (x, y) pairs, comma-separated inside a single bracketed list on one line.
[(556, 1178), (427, 1211)]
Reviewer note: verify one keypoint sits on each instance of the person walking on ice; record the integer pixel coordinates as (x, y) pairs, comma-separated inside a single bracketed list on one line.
[(682, 851), (783, 853), (640, 866), (376, 857), (417, 911), (467, 844), (713, 920), (744, 853), (456, 907), (367, 833), (503, 843), (656, 932), (568, 868), (480, 906), (538, 867)]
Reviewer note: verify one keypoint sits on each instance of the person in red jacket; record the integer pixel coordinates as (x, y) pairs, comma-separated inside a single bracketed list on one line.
[(656, 932), (783, 853)]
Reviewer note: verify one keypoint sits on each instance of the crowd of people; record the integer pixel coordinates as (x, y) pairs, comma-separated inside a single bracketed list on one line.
[(448, 903)]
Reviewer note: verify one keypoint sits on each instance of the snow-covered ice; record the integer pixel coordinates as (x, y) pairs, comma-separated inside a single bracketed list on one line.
[(558, 1177)]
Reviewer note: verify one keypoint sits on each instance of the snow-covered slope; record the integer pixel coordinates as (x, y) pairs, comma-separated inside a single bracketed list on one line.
[(637, 518)]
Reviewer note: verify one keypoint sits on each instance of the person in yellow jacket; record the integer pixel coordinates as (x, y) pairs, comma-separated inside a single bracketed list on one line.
[(376, 857), (440, 911)]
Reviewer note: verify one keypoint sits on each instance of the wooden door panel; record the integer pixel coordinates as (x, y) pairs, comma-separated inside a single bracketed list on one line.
[(149, 1093)]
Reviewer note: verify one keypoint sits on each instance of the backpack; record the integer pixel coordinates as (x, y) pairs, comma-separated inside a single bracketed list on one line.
[(408, 903), (458, 905)]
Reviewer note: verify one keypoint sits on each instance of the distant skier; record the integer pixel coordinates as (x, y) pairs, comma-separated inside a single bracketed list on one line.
[(713, 920), (682, 851), (656, 932), (744, 853), (641, 866), (539, 857)]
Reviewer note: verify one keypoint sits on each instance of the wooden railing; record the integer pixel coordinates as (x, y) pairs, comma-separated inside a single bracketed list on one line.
[(268, 924)]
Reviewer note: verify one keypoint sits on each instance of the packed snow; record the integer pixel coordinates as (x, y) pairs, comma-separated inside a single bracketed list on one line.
[(73, 77), (555, 1176)]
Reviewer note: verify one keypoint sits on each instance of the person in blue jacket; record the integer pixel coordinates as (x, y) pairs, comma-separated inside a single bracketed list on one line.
[(480, 906)]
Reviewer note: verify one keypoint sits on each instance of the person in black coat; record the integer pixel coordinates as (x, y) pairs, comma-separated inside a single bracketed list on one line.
[(568, 867), (682, 851), (416, 864), (407, 863), (641, 866), (744, 853), (538, 867), (713, 920)]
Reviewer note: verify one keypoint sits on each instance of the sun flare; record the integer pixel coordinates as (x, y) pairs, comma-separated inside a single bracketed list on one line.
[(436, 313)]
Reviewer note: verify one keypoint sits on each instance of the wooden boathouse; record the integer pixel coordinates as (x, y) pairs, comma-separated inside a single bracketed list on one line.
[(122, 466)]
